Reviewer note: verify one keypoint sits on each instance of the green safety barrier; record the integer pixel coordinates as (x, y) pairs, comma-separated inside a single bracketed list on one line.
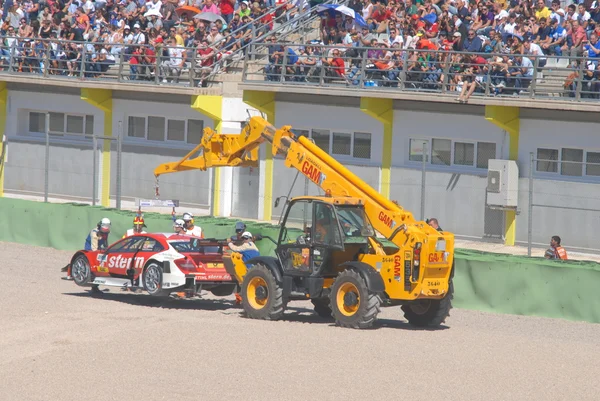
[(483, 281)]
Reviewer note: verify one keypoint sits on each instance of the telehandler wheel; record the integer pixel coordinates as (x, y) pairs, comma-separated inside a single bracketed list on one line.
[(429, 312), (322, 307), (352, 304), (262, 296)]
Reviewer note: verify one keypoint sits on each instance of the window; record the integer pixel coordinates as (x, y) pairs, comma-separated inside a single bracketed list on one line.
[(571, 162), (61, 123), (440, 151), (593, 168), (544, 165), (571, 155), (362, 145), (446, 152), (342, 143), (176, 130), (136, 127), (300, 132), (160, 129), (321, 138), (37, 122), (485, 152), (464, 153), (156, 128), (416, 149), (194, 131)]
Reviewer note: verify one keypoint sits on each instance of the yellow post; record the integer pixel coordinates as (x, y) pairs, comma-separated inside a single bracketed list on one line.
[(265, 102), (212, 106), (383, 111), (3, 104), (102, 99), (507, 118)]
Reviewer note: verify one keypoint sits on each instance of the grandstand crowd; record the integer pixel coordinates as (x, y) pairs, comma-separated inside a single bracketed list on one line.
[(502, 41), (135, 31)]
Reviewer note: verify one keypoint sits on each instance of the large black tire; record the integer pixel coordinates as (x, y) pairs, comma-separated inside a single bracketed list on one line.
[(81, 271), (322, 307), (262, 296), (429, 312), (152, 280), (352, 304)]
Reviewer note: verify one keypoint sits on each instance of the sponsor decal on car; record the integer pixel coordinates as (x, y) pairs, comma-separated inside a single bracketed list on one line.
[(119, 262)]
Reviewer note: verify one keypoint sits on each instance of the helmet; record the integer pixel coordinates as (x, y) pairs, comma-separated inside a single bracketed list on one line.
[(104, 225), (138, 220), (178, 223), (247, 235), (240, 227), (188, 218)]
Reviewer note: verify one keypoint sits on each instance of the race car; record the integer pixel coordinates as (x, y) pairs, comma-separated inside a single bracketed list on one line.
[(159, 263)]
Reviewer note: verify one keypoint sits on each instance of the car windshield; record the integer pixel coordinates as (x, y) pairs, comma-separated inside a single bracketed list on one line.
[(354, 223), (195, 246)]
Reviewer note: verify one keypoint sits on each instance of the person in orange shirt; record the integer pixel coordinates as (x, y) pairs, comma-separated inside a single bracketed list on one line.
[(556, 251)]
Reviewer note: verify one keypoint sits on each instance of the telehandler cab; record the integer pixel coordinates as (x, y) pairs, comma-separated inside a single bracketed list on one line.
[(328, 249)]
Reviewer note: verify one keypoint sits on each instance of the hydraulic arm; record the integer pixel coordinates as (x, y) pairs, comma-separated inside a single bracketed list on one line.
[(217, 150)]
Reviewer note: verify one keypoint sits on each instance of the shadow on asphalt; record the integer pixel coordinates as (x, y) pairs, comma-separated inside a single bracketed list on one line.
[(158, 302), (292, 314)]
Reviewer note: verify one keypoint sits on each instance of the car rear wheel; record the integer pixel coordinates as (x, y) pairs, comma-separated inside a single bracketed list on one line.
[(152, 280), (81, 271)]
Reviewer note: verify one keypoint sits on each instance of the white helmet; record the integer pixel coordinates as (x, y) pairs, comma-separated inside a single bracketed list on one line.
[(178, 223), (188, 216), (247, 235), (104, 225)]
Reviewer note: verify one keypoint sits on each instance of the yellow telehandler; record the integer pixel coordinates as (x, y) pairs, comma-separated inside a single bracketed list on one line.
[(329, 250)]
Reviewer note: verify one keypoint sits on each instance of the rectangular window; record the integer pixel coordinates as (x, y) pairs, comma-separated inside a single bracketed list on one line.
[(440, 151), (89, 125), (592, 169), (485, 152), (194, 131), (37, 122), (75, 124), (416, 149), (341, 144), (571, 155), (321, 138), (544, 165), (156, 128), (136, 127), (362, 145), (57, 122), (464, 153), (176, 130)]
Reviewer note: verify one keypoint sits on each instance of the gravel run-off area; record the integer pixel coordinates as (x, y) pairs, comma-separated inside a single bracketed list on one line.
[(59, 343)]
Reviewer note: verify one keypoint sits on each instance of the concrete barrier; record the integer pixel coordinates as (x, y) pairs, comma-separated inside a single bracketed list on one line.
[(483, 281)]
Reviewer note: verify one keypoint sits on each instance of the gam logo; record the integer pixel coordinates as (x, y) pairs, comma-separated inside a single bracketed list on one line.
[(313, 173), (387, 220)]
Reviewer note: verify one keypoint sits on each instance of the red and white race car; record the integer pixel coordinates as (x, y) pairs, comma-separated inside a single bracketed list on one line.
[(158, 263)]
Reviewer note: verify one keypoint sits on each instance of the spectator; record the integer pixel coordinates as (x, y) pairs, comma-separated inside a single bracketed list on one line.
[(556, 251), (172, 66), (433, 222)]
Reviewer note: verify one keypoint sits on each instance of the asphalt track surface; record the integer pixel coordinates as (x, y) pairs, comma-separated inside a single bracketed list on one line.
[(60, 343)]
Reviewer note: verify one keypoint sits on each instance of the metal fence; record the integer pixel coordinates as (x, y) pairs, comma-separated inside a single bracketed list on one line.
[(458, 74), (569, 208), (61, 164)]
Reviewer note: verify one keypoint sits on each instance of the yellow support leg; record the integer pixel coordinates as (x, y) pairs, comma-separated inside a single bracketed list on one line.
[(383, 111), (102, 99), (3, 104), (212, 106), (265, 103), (507, 118)]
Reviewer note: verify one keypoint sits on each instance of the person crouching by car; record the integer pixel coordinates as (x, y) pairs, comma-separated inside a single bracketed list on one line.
[(248, 250), (138, 227), (97, 239)]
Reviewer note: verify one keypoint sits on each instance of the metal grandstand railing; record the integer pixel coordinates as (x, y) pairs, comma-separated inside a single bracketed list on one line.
[(301, 25), (425, 71)]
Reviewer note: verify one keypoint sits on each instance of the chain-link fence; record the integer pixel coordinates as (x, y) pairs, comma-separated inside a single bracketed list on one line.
[(60, 159), (563, 199)]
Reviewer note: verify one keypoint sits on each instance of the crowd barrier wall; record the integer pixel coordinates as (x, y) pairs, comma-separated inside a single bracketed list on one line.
[(483, 281)]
